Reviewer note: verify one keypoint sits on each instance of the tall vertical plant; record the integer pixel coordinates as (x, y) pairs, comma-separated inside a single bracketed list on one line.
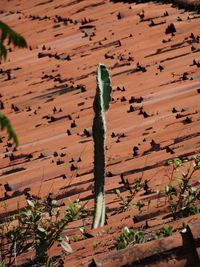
[(101, 105)]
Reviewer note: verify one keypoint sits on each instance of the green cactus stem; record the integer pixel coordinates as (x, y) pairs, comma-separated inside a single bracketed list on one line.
[(101, 105)]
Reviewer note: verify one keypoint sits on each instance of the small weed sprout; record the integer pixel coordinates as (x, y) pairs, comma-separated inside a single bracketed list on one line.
[(138, 185), (183, 198), (73, 210), (49, 262), (158, 234), (83, 232), (139, 205), (167, 230), (108, 230), (73, 239), (95, 245), (129, 236), (124, 201)]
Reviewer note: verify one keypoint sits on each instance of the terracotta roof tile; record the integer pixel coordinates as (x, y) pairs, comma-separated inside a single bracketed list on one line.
[(58, 72)]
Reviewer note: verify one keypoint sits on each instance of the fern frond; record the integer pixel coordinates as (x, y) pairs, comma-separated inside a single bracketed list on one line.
[(3, 51), (6, 125), (13, 37)]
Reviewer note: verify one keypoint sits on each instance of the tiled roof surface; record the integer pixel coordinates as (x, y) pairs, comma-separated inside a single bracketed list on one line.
[(58, 70)]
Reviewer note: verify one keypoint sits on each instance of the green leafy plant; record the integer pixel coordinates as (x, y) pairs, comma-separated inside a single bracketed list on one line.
[(183, 197), (137, 186), (49, 262), (83, 232), (17, 40), (130, 236), (5, 124), (95, 245), (4, 229), (101, 105), (12, 37), (139, 205), (167, 230), (127, 201), (74, 210), (38, 227), (74, 239), (158, 234)]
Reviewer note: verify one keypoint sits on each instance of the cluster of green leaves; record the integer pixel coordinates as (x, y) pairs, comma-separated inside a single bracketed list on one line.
[(84, 235), (12, 37), (37, 228), (130, 236), (183, 197), (136, 187), (167, 230), (95, 245), (15, 39), (73, 211), (49, 262), (5, 124), (140, 185), (139, 205)]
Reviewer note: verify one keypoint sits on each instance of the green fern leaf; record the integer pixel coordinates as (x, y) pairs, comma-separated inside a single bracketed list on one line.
[(6, 125), (3, 51), (13, 37)]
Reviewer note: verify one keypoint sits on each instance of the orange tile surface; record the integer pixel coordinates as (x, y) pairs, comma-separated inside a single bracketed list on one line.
[(59, 64)]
